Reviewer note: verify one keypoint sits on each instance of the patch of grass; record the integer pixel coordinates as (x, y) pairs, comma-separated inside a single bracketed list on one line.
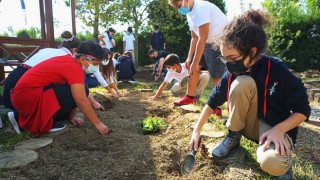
[(139, 85), (97, 89), (8, 140), (304, 170)]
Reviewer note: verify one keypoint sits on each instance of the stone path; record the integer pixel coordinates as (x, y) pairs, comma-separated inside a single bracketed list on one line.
[(23, 154)]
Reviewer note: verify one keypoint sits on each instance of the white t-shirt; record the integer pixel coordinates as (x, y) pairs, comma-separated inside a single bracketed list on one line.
[(100, 79), (175, 75), (45, 54), (129, 38), (107, 41), (205, 12), (114, 62)]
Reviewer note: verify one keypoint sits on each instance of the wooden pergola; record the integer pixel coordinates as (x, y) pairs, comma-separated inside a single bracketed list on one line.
[(14, 51)]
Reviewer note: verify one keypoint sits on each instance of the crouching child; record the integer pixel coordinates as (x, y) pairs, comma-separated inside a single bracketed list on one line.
[(180, 73)]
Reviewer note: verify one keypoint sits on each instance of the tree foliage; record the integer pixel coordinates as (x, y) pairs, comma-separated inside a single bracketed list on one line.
[(295, 36), (173, 25), (33, 32), (94, 13), (141, 15)]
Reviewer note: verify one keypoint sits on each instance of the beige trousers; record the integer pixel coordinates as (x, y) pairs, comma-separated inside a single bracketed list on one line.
[(203, 81), (243, 116)]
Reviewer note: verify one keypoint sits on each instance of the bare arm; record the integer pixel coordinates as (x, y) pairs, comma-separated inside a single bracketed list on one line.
[(160, 67), (96, 105), (79, 96), (161, 88), (114, 86), (205, 113), (199, 49), (193, 43), (111, 91), (101, 39), (201, 42)]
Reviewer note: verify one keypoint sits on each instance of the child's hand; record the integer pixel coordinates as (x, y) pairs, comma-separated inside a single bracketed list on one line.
[(120, 94), (77, 121), (156, 77), (153, 97), (97, 106), (114, 94), (102, 129)]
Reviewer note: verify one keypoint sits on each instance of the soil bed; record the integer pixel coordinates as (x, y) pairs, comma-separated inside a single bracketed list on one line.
[(81, 153)]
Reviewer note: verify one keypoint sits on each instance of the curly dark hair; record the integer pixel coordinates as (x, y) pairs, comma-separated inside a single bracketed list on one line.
[(246, 32)]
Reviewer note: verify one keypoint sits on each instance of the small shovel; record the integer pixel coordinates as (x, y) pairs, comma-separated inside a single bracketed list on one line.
[(189, 161)]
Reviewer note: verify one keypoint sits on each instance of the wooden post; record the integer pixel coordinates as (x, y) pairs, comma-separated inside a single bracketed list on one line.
[(42, 20), (73, 17), (49, 22)]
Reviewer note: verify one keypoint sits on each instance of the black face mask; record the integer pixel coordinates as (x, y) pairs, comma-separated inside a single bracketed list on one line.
[(237, 67)]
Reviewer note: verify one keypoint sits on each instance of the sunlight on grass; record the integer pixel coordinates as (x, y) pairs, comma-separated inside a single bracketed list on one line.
[(8, 140), (303, 169), (138, 86)]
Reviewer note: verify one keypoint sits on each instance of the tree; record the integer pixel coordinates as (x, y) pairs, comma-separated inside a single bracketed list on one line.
[(94, 13), (131, 12), (295, 36), (174, 25)]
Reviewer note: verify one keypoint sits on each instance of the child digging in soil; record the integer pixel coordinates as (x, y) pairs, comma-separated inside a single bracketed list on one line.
[(59, 89), (108, 72), (266, 101), (178, 71)]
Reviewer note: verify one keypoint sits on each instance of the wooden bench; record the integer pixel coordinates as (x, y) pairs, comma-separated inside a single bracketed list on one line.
[(7, 63)]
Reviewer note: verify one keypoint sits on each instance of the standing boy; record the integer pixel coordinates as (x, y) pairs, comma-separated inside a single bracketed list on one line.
[(206, 22), (157, 40), (128, 42)]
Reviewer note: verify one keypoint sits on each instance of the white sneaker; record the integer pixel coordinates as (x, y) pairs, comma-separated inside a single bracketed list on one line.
[(58, 127), (13, 121), (132, 82)]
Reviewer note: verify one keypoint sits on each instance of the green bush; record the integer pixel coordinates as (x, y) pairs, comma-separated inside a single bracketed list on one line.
[(295, 34)]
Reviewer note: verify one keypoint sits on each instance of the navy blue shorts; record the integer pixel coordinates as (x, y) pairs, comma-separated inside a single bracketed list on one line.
[(212, 62)]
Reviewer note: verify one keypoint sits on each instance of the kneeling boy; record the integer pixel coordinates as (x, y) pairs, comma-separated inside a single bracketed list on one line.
[(178, 71)]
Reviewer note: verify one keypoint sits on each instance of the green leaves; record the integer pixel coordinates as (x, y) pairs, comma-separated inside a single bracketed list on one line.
[(295, 37), (153, 124)]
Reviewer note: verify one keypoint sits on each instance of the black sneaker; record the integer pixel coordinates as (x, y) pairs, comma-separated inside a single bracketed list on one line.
[(57, 126), (14, 122)]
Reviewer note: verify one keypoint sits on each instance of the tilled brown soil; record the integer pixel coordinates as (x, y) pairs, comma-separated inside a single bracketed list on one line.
[(81, 153)]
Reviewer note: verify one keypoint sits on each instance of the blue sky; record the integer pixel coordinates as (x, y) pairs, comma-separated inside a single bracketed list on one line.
[(11, 14)]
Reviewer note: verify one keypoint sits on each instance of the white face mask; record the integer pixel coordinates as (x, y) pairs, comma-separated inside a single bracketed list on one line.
[(172, 70), (91, 68)]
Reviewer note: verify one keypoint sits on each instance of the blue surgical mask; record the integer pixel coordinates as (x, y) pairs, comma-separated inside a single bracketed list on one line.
[(156, 31), (184, 10), (91, 69)]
